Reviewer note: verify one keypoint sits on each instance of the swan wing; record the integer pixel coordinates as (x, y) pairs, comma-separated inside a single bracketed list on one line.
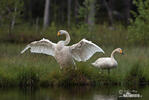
[(42, 46), (84, 49)]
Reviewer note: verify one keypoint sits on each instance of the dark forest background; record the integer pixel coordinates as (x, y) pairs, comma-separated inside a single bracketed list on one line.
[(109, 20)]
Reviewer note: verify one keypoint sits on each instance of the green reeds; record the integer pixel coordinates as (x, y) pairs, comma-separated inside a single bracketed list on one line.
[(40, 70)]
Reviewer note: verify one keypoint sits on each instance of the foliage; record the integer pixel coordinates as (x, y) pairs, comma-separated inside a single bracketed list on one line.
[(139, 28), (28, 77), (100, 34), (41, 70), (27, 28), (32, 10), (9, 9), (135, 76), (84, 10)]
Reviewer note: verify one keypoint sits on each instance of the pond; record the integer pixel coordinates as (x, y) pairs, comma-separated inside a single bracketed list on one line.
[(74, 93)]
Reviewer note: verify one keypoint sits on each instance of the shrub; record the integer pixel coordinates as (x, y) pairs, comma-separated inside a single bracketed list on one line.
[(135, 75), (139, 28), (28, 77)]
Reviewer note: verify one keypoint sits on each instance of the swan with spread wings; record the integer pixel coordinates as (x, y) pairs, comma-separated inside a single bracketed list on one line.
[(64, 54)]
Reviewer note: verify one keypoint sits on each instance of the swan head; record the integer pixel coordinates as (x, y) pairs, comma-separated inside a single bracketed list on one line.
[(61, 32), (119, 50)]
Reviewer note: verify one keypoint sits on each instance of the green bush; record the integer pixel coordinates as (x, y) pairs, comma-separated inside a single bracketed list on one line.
[(135, 76), (139, 28), (28, 76)]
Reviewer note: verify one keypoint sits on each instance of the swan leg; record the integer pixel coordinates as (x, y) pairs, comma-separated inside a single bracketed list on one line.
[(100, 71), (74, 65)]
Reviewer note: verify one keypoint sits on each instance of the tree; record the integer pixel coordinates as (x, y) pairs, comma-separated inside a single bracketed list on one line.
[(109, 12), (9, 11), (87, 12), (91, 13), (127, 11), (76, 10), (69, 12), (46, 14), (139, 28)]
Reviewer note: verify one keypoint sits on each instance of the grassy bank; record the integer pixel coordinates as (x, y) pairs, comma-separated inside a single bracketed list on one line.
[(37, 69)]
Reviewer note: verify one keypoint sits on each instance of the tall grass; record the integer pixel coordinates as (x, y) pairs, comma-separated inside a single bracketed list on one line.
[(100, 34), (37, 69)]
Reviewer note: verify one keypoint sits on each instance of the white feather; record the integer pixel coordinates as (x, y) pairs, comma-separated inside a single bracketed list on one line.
[(43, 46), (83, 50)]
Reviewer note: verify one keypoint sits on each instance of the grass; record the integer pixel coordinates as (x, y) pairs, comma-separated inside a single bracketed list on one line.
[(37, 69), (100, 34), (41, 70)]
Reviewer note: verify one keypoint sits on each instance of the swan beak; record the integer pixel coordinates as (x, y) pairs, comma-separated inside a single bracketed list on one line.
[(121, 52), (58, 34)]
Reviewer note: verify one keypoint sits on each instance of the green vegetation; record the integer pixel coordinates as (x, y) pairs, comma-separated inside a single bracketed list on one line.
[(41, 70), (20, 26), (101, 34), (24, 25), (139, 28)]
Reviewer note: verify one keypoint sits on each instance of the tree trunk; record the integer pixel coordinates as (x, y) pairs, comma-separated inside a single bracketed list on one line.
[(76, 10), (0, 20), (62, 15), (127, 11), (109, 12), (69, 12), (13, 19), (46, 14), (91, 14), (37, 26)]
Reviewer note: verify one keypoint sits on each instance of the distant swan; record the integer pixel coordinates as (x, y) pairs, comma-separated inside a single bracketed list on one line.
[(64, 54), (107, 62)]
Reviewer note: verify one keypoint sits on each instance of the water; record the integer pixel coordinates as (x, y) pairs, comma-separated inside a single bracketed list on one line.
[(75, 93)]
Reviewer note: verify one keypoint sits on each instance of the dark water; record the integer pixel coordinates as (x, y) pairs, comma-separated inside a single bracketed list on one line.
[(75, 93)]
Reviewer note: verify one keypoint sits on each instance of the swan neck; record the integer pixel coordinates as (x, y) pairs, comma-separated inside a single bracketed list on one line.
[(112, 54), (66, 42)]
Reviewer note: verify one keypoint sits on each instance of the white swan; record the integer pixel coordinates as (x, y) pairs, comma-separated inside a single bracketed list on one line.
[(64, 54), (107, 62)]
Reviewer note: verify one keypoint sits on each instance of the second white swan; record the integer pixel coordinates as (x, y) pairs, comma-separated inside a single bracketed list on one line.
[(107, 62)]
